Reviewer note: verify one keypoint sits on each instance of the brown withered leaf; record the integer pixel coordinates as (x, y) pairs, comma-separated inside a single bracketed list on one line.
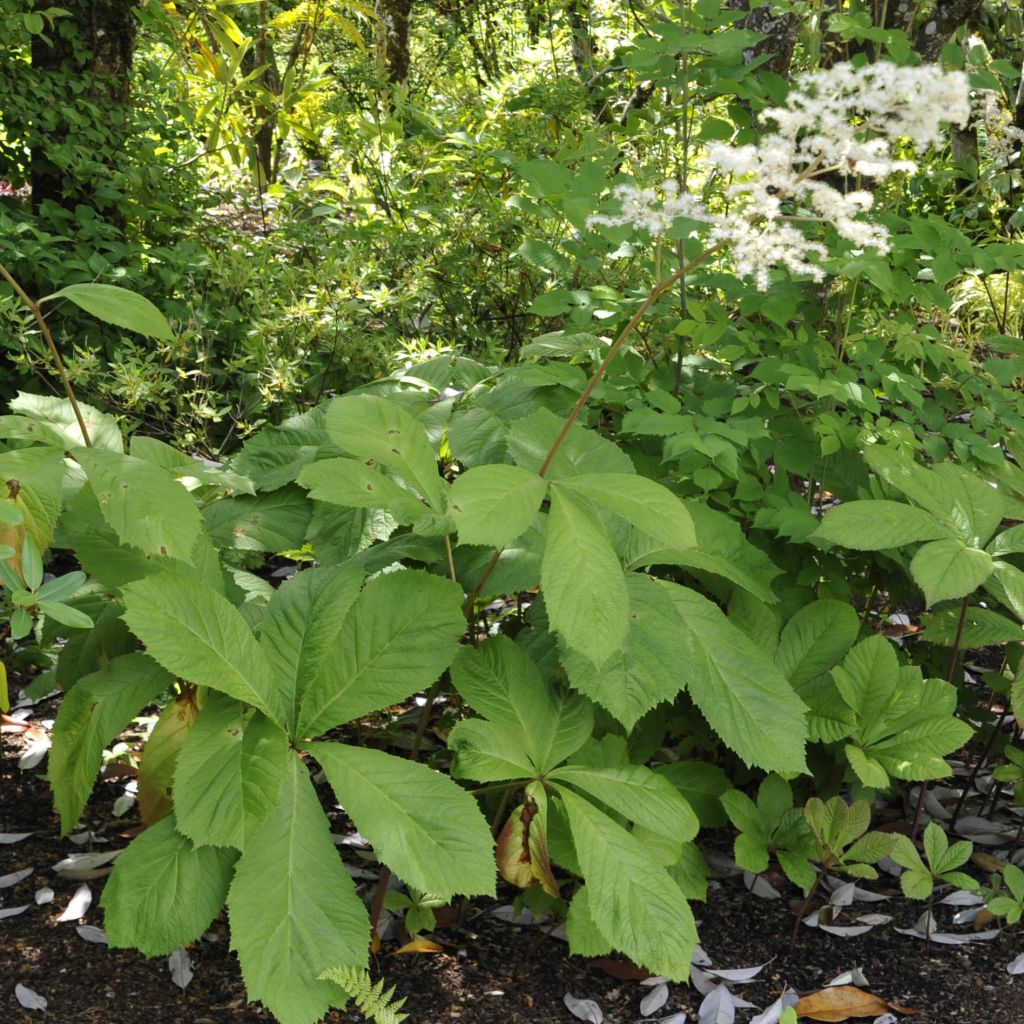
[(840, 1002)]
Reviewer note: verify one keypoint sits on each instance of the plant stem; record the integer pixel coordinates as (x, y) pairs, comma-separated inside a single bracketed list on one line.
[(634, 320), (803, 909), (54, 353), (616, 346), (953, 657)]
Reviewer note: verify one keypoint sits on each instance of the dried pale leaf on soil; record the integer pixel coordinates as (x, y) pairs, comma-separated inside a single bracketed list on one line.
[(13, 911), (44, 895), (179, 963), (29, 999), (1016, 965), (14, 837), (584, 1009), (736, 973), (840, 1002), (774, 1012), (91, 933), (78, 904), (6, 881), (718, 1007), (654, 1000)]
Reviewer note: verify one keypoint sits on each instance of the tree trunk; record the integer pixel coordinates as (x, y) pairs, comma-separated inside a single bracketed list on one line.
[(780, 31), (95, 45), (393, 17)]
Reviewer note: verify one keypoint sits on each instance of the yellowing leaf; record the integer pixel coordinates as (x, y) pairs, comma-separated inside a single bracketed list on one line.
[(418, 946)]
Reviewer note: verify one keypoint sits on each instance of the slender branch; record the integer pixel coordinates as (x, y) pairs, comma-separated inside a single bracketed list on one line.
[(54, 353), (616, 346), (634, 320)]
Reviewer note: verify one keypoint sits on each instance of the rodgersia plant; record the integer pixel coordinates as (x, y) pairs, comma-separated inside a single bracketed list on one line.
[(407, 556)]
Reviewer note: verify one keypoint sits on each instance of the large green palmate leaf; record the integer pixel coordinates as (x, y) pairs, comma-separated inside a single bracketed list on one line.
[(267, 522), (961, 501), (583, 451), (877, 525), (738, 688), (102, 555), (294, 909), (648, 505), (631, 899), (164, 892), (583, 580), (375, 428), (1006, 583), (228, 773), (636, 793), (200, 636), (301, 625), (353, 484), (401, 633), (501, 682), (722, 551), (145, 505), (57, 423), (646, 670), (426, 828), (815, 639), (492, 505), (945, 569), (92, 713), (868, 678)]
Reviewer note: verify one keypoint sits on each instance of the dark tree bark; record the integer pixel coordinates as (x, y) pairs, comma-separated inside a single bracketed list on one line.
[(393, 17), (780, 32), (937, 30), (96, 45)]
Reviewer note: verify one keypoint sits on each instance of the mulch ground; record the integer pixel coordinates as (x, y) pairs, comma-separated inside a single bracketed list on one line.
[(490, 971)]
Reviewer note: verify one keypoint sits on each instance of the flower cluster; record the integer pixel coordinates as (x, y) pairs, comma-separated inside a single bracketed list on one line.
[(845, 121)]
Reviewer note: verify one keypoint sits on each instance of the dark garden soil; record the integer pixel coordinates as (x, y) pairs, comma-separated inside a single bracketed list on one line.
[(489, 972)]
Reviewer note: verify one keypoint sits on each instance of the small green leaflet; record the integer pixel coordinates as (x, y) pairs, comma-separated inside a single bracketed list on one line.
[(648, 505), (877, 525), (374, 428), (352, 484), (92, 713), (291, 878), (946, 569), (738, 688), (815, 639), (630, 898), (638, 794), (645, 671), (400, 635), (425, 827), (145, 505), (583, 580), (501, 682), (117, 306), (200, 636), (228, 773), (164, 892), (301, 625), (492, 505)]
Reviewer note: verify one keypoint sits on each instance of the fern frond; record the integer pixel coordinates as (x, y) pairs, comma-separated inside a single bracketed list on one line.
[(373, 1001)]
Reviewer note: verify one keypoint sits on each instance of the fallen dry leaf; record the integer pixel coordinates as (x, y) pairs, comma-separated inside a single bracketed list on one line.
[(418, 946), (840, 1002)]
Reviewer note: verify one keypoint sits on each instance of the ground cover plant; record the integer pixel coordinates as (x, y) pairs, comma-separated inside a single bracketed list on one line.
[(631, 582)]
